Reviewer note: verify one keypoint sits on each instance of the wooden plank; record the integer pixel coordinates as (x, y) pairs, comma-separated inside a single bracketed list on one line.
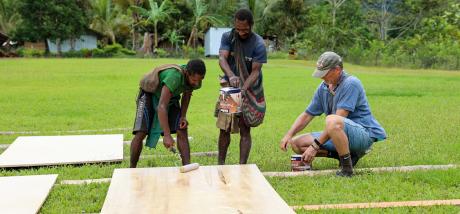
[(58, 150), (378, 169), (24, 194), (209, 189), (379, 204), (275, 174)]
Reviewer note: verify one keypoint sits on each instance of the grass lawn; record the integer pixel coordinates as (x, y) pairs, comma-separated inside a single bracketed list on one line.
[(419, 110)]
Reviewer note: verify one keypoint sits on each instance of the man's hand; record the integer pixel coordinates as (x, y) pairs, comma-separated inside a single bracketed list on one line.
[(183, 123), (309, 154), (285, 142), (168, 141), (235, 81)]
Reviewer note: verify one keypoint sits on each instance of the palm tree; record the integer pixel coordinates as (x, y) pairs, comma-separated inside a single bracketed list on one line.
[(156, 14), (200, 16), (8, 16), (127, 5), (174, 38), (107, 19)]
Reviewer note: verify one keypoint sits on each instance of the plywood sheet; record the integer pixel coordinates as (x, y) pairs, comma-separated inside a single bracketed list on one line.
[(57, 150), (209, 189), (24, 194)]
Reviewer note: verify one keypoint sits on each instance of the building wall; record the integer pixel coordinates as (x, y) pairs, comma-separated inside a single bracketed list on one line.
[(212, 40), (84, 42), (35, 45)]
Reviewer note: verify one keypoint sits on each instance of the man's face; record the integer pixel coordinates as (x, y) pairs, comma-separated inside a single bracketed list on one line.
[(194, 80), (332, 77), (242, 28)]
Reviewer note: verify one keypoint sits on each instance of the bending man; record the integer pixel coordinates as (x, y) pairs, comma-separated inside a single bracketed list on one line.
[(350, 127)]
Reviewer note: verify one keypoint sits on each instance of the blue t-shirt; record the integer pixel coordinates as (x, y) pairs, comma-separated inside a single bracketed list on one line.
[(349, 95), (253, 49)]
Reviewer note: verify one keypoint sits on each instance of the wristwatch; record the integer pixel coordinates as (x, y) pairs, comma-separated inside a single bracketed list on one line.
[(316, 144)]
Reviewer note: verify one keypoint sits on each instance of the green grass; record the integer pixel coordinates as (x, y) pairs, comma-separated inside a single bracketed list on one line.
[(416, 210), (418, 109)]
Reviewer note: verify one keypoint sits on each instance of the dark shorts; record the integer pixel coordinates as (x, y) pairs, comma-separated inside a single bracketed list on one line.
[(145, 113)]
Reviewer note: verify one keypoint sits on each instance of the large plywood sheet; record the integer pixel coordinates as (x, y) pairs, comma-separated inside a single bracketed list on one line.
[(57, 150), (24, 194), (209, 189)]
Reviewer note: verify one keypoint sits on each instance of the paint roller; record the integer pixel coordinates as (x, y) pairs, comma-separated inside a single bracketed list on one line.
[(189, 167), (185, 168)]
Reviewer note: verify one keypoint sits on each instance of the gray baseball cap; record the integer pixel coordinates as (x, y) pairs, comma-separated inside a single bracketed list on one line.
[(326, 61)]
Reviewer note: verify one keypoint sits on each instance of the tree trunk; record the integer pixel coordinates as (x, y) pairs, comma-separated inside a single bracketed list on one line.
[(72, 44), (147, 45), (156, 35), (135, 21), (134, 37), (58, 47), (191, 38), (335, 5), (112, 38)]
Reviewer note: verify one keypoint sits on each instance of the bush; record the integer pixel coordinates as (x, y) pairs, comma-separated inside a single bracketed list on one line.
[(86, 52), (72, 54), (161, 53), (193, 53), (279, 55), (128, 52), (98, 53), (23, 52), (113, 49)]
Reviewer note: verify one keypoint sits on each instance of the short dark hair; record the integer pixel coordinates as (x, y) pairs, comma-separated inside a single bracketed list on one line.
[(244, 14), (196, 66)]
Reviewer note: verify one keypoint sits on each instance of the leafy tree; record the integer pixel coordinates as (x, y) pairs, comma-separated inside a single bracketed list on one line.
[(56, 20), (128, 6), (175, 39), (9, 17), (107, 19), (156, 14), (273, 20), (201, 17)]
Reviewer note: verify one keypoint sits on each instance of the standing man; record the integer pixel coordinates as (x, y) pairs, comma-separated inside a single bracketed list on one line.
[(350, 127), (241, 56), (158, 110)]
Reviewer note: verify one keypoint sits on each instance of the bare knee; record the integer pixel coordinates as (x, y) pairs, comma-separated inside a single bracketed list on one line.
[(139, 136), (300, 143), (334, 123), (296, 148)]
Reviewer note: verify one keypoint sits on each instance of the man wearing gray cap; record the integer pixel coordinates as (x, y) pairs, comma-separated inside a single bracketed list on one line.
[(350, 127)]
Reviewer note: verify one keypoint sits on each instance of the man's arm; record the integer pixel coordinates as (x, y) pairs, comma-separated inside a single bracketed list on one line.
[(256, 67), (234, 80), (300, 123), (163, 116), (184, 102)]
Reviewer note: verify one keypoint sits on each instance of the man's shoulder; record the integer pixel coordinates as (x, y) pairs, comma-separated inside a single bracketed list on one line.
[(352, 81), (171, 73), (258, 37), (226, 35)]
